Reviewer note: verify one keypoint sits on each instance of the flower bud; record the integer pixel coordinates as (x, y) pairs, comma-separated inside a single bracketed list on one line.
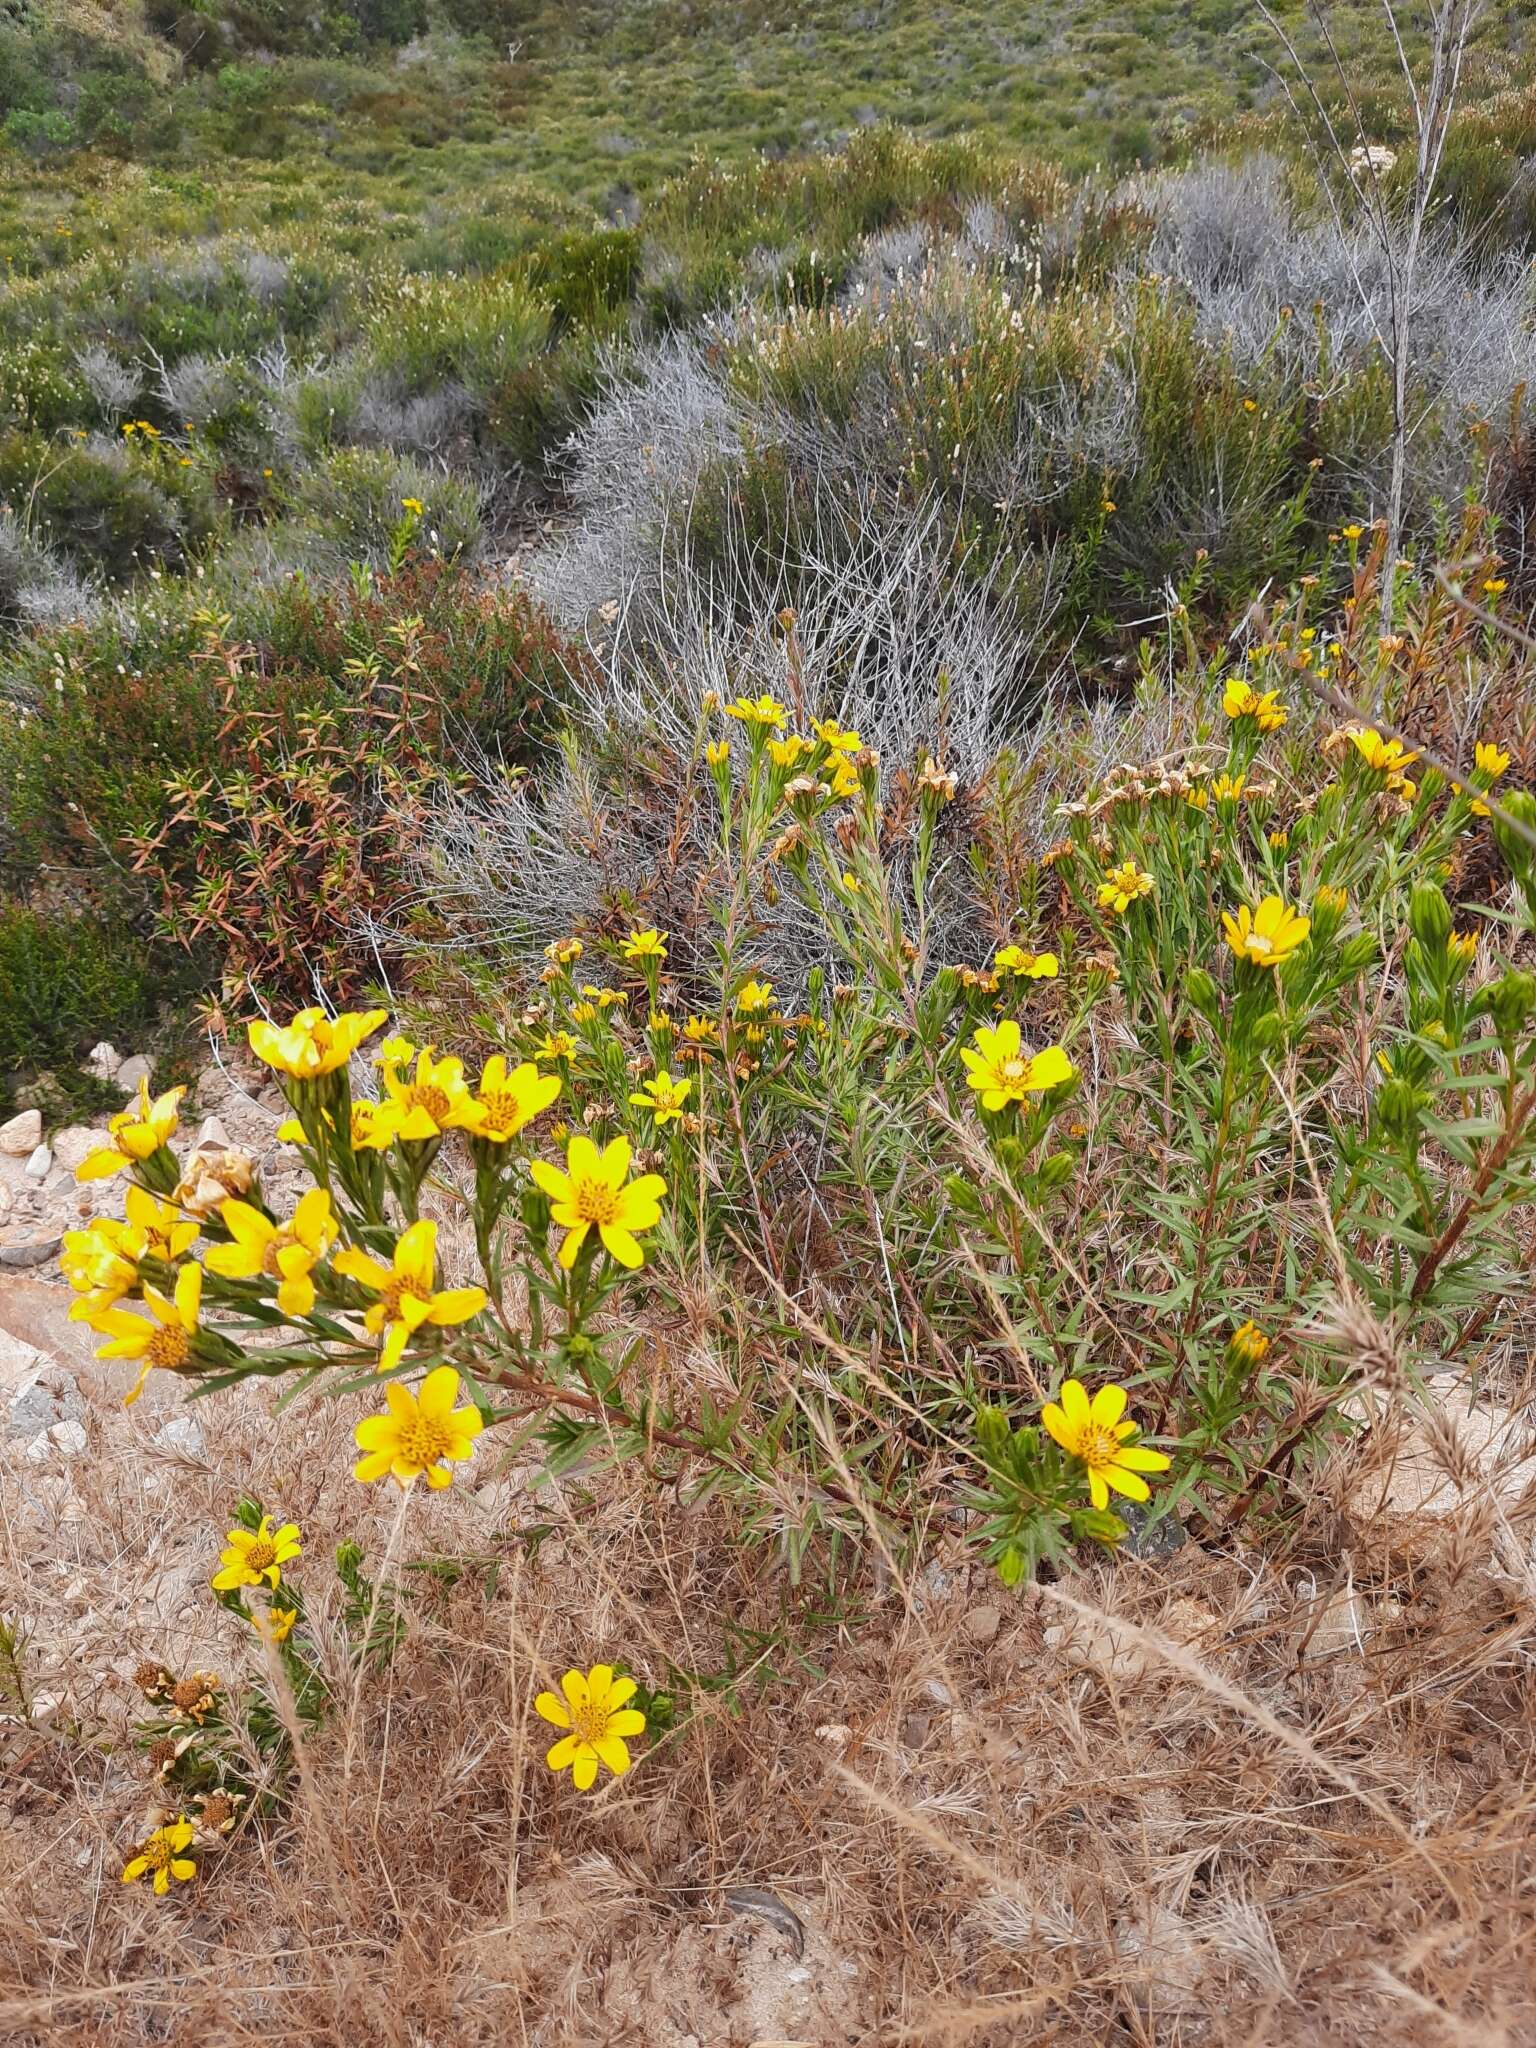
[(1429, 918), (1202, 991), (992, 1430), (1397, 1105), (1516, 844), (1057, 1170), (1511, 1000), (1356, 954)]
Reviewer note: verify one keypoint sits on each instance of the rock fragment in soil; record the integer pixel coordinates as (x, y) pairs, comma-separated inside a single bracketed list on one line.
[(22, 1134)]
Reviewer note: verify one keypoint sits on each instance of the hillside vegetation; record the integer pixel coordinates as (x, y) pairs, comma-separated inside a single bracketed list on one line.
[(813, 730)]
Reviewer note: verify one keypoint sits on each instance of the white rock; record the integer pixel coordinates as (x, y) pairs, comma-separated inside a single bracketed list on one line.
[(1094, 1642), (40, 1165), (1417, 1494), (133, 1071), (105, 1060), (69, 1439), (1161, 1958), (23, 1134), (983, 1623), (181, 1434), (6, 1198), (75, 1144), (43, 1392)]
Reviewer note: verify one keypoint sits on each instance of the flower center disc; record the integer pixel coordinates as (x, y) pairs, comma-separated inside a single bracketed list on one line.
[(396, 1291), (589, 1724), (1096, 1445), (423, 1440), (501, 1110), (168, 1347), (596, 1202), (260, 1556)]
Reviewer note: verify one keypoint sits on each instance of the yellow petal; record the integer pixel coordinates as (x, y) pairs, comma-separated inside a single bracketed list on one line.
[(1108, 1406), (439, 1391)]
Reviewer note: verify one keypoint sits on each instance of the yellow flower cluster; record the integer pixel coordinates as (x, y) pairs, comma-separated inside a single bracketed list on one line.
[(1386, 758), (355, 1261)]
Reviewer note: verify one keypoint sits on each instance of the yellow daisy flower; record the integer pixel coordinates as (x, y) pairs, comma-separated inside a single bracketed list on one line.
[(101, 1262), (754, 997), (166, 1342), (594, 1193), (509, 1100), (832, 735), (421, 1105), (761, 711), (1123, 886), (557, 1045), (405, 1289), (1387, 757), (786, 752), (285, 1252), (276, 1624), (255, 1557), (1490, 761), (1002, 1070), (160, 1856), (1095, 1433), (1268, 935), (1249, 1343), (1018, 960), (418, 1434), (846, 781), (314, 1043), (135, 1132), (597, 1717), (663, 1097), (1239, 699), (648, 945)]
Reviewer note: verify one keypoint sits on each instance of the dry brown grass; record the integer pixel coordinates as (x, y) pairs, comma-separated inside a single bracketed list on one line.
[(1271, 1801)]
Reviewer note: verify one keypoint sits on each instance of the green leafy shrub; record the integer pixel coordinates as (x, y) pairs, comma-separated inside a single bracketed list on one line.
[(117, 511), (584, 277), (66, 982), (249, 791), (479, 330), (39, 134), (351, 499)]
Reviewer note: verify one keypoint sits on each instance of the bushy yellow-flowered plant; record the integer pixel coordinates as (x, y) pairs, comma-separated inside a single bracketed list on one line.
[(937, 1192)]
